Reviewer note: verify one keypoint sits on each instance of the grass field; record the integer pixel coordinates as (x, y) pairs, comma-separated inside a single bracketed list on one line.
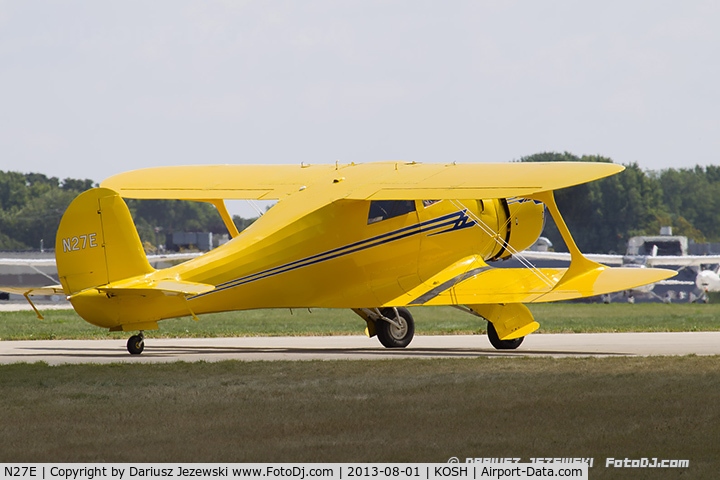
[(368, 411), (553, 318)]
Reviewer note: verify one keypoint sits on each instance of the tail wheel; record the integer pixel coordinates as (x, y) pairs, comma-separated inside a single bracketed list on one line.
[(502, 344), (136, 344), (398, 334)]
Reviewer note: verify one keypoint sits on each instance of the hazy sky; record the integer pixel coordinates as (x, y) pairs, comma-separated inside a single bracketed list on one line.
[(89, 88)]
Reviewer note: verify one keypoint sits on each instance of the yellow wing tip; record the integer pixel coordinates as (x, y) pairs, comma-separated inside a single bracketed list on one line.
[(607, 280)]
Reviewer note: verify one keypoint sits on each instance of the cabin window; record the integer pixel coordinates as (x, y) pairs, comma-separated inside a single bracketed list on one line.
[(384, 209)]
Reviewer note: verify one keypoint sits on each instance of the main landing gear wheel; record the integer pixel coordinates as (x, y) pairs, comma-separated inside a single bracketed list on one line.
[(502, 344), (398, 334), (136, 344)]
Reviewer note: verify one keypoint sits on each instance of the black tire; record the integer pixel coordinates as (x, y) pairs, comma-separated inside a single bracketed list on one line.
[(136, 344), (390, 335), (502, 344)]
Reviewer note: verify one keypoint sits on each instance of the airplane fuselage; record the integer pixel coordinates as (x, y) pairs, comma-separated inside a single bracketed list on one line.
[(347, 254)]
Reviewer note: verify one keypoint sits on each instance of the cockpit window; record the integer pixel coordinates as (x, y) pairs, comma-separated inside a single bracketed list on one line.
[(384, 209)]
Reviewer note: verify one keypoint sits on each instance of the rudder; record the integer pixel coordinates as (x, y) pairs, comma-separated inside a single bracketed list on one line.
[(97, 242)]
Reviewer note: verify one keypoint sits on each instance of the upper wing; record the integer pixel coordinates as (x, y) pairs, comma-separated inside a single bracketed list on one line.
[(208, 182), (472, 180), (370, 181)]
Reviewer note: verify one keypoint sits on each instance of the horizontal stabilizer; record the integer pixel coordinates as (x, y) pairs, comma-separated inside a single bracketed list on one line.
[(173, 257), (32, 291), (27, 292), (167, 287)]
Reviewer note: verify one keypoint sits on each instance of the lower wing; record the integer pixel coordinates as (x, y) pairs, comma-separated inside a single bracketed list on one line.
[(482, 284)]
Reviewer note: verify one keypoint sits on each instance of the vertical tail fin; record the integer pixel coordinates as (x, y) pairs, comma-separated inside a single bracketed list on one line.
[(97, 242)]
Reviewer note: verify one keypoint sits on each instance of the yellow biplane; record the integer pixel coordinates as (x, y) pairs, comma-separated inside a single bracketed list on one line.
[(375, 238)]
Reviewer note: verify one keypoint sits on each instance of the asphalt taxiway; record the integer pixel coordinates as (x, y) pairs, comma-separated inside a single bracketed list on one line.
[(56, 352)]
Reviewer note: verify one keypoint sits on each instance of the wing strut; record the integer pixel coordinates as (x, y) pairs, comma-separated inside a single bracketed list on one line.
[(227, 219), (37, 312), (503, 243), (579, 264)]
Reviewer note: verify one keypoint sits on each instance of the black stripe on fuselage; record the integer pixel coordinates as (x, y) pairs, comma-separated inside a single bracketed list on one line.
[(430, 294)]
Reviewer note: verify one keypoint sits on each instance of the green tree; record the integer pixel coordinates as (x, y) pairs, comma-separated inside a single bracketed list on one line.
[(692, 199), (77, 185), (13, 190), (602, 215), (40, 218), (31, 206), (155, 219)]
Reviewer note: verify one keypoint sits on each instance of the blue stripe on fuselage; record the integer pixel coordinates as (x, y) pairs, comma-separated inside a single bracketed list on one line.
[(455, 221)]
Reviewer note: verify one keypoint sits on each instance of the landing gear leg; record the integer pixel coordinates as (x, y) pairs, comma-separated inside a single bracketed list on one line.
[(397, 328), (136, 343), (394, 327)]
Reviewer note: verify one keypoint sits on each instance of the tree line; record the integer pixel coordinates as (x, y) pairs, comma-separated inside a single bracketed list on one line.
[(31, 206), (604, 214), (601, 215)]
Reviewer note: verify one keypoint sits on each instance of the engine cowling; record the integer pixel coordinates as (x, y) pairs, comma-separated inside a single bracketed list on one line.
[(525, 220)]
